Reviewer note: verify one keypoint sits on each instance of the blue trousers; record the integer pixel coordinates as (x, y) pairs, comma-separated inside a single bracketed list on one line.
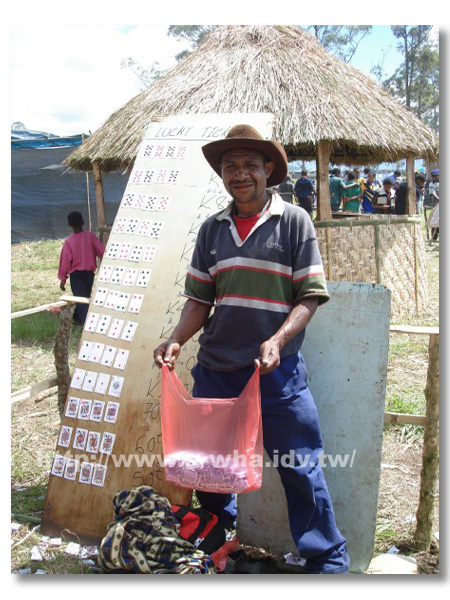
[(290, 422), (81, 283)]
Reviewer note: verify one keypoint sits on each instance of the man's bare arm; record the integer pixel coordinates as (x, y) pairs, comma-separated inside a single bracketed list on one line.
[(297, 320), (193, 317)]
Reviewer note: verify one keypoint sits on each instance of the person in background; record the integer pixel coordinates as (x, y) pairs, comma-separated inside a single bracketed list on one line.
[(432, 187), (360, 180), (304, 192), (78, 260), (337, 186), (431, 192), (368, 190), (396, 180), (286, 189), (430, 202), (420, 197), (401, 207), (351, 195), (384, 199)]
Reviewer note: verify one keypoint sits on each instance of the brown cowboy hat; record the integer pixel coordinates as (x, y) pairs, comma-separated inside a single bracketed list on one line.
[(244, 136)]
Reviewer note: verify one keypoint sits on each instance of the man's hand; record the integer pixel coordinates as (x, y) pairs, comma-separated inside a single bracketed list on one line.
[(193, 316), (167, 354), (296, 321), (62, 285), (270, 356)]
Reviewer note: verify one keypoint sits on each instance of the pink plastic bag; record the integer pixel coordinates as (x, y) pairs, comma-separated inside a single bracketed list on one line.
[(220, 556), (212, 444)]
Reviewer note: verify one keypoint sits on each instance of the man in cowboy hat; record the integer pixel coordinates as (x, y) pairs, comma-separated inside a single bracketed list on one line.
[(258, 263)]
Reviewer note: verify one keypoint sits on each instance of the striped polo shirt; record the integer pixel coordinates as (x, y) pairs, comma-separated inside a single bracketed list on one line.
[(253, 284)]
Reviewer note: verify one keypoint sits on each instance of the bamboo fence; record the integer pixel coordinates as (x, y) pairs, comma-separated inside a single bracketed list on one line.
[(389, 251)]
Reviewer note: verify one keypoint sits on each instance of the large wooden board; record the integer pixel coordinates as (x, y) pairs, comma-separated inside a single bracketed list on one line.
[(346, 354), (170, 192)]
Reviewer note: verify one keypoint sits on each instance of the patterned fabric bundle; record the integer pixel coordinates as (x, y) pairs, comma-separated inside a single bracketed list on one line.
[(144, 538)]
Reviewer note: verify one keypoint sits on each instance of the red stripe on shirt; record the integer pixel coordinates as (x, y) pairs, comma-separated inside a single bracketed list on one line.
[(309, 275), (198, 278)]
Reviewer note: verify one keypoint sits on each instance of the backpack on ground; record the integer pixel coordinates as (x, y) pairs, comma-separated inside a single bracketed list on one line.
[(200, 527)]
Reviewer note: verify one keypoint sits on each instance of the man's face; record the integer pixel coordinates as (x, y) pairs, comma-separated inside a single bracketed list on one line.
[(370, 177), (387, 187), (435, 178), (244, 174), (420, 183)]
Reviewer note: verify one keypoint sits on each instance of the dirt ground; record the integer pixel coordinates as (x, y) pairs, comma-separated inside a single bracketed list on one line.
[(399, 498), (35, 427)]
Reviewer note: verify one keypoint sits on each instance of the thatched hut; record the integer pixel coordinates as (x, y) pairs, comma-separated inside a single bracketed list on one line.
[(325, 108)]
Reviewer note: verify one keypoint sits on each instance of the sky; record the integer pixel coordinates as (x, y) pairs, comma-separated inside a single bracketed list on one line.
[(67, 79)]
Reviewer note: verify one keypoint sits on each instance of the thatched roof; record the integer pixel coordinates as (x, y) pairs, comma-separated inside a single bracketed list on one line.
[(279, 69)]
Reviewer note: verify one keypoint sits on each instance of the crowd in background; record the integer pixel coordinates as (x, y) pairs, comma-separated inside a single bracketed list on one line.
[(366, 193)]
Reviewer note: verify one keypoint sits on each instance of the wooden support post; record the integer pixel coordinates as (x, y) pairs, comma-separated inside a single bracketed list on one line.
[(329, 255), (410, 186), (61, 352), (378, 254), (99, 201), (323, 187), (430, 457), (416, 267)]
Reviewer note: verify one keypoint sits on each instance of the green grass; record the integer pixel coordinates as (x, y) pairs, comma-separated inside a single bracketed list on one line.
[(34, 274), (32, 343), (38, 327), (30, 501), (398, 404)]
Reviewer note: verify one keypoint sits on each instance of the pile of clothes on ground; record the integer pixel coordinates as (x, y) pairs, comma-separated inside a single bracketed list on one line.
[(149, 535), (145, 538)]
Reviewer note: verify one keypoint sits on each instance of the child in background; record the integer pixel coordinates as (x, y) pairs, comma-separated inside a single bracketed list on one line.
[(384, 200), (78, 260), (351, 194)]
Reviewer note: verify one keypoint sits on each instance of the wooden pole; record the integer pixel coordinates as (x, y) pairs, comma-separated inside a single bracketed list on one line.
[(61, 352), (416, 268), (430, 165), (329, 254), (430, 457), (410, 187), (378, 254), (405, 419), (88, 195), (355, 222), (323, 187), (99, 201), (88, 201)]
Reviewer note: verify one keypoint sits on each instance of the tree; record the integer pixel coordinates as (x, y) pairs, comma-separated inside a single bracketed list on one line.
[(147, 76), (416, 82), (378, 68), (192, 33), (340, 40)]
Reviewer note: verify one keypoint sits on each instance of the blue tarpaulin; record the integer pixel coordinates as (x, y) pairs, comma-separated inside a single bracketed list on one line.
[(22, 139), (44, 191)]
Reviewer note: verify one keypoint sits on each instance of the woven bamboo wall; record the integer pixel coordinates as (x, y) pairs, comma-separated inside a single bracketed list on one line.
[(375, 249)]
